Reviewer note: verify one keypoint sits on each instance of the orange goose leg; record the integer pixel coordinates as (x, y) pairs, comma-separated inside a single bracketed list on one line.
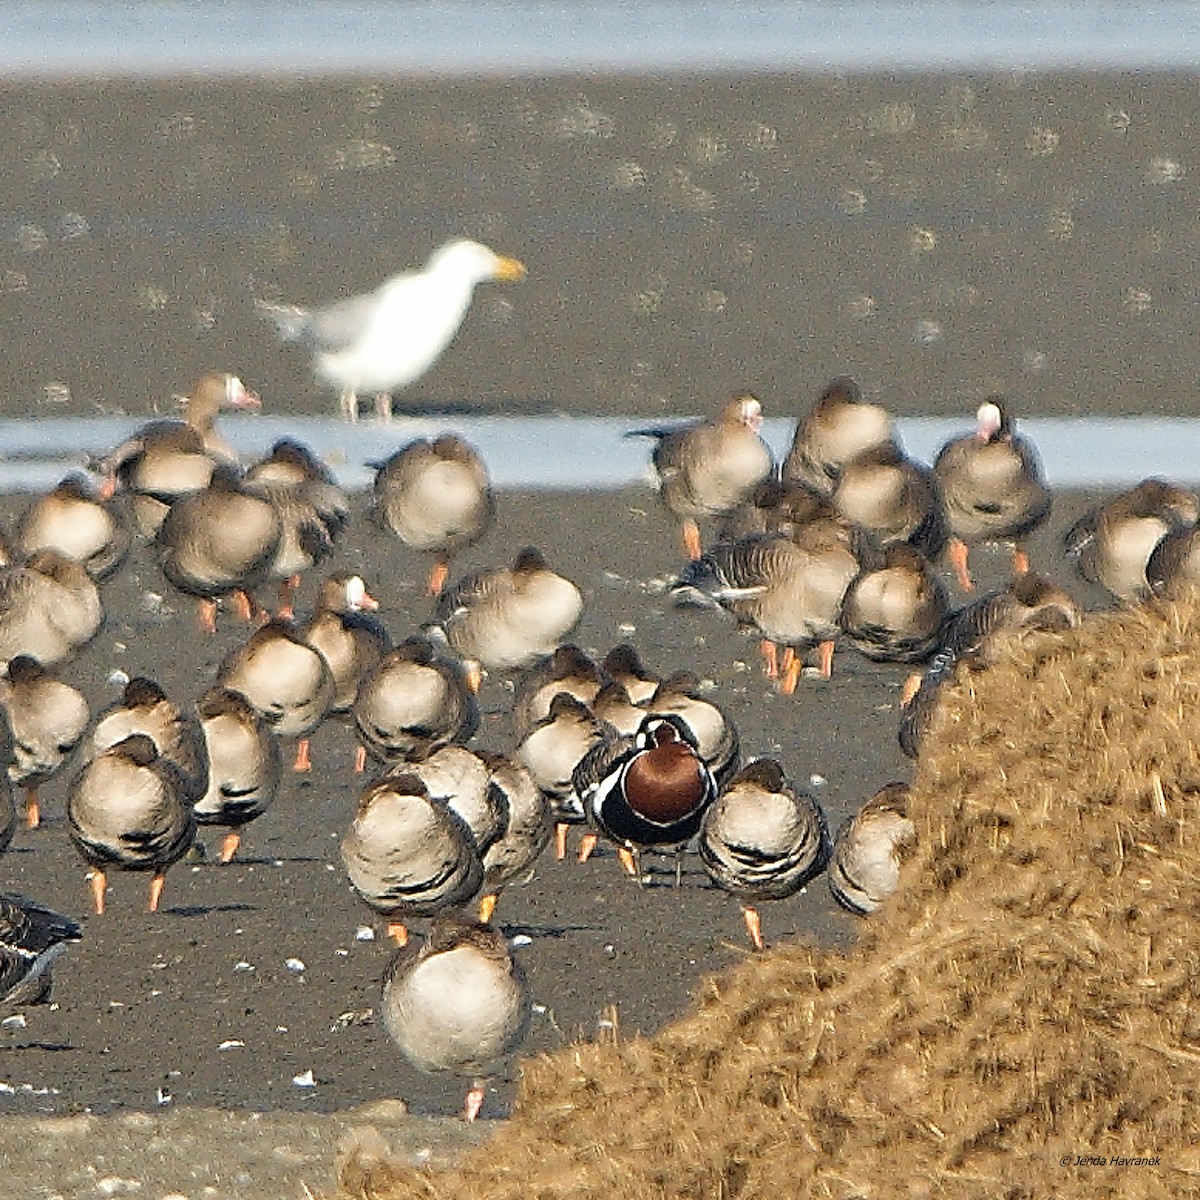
[(437, 577), (1020, 561), (691, 539), (560, 840), (33, 810), (360, 759), (474, 1100), (229, 845), (958, 553), (99, 883), (206, 614), (753, 926), (157, 880), (586, 846), (287, 597), (398, 932), (790, 674), (825, 658), (770, 656), (303, 761), (629, 862), (487, 906)]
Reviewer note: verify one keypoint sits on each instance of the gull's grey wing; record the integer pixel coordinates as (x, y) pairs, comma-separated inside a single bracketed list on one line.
[(324, 330)]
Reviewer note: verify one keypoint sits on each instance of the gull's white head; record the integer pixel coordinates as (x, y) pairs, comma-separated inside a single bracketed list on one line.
[(473, 260)]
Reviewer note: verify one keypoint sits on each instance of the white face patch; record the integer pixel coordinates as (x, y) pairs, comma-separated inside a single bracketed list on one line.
[(988, 419), (355, 591)]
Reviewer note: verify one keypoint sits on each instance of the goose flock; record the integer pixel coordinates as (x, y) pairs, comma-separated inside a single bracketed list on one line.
[(846, 541)]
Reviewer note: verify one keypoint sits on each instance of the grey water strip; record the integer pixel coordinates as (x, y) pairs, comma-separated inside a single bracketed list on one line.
[(56, 39), (594, 454)]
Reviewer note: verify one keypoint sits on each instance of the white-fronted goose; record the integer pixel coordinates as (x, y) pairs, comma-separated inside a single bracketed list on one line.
[(839, 426), (1112, 543), (126, 809), (285, 679), (869, 850), (624, 665), (389, 338), (434, 495), (49, 608), (568, 670), (461, 779), (762, 839), (165, 460), (415, 700), (312, 510), (408, 855), (351, 641), (243, 765), (457, 1004), (31, 938), (707, 468), (219, 541), (73, 521), (528, 826), (48, 718), (992, 485), (894, 612), (509, 617)]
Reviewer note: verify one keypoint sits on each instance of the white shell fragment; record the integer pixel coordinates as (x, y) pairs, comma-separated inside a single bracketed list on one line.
[(295, 965), (305, 1080)]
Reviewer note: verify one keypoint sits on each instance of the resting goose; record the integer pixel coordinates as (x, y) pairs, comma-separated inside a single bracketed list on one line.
[(458, 1004), (568, 670), (707, 468), (350, 639), (528, 826), (49, 608), (434, 495), (73, 521), (869, 850)]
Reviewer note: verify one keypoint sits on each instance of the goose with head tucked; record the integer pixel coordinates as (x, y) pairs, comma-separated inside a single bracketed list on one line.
[(31, 938), (893, 612), (174, 728), (648, 791), (50, 608), (288, 683), (48, 718), (165, 460), (127, 810), (220, 541), (409, 855), (624, 665), (72, 520), (993, 488), (414, 701), (244, 763), (458, 1003), (552, 749), (460, 779), (434, 495), (527, 828), (386, 339), (1112, 543), (762, 839), (312, 510), (510, 617), (839, 426), (568, 670), (869, 850), (707, 468)]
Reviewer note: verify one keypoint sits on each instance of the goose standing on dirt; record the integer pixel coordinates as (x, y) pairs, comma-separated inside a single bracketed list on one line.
[(312, 510), (552, 749), (31, 938), (893, 612), (288, 683), (409, 855), (839, 426), (707, 468), (127, 809), (350, 639), (243, 765), (72, 520), (460, 779), (220, 541), (869, 849), (434, 495), (1112, 543), (415, 700), (164, 460), (50, 608), (48, 718), (527, 829), (506, 618), (174, 728), (389, 338), (568, 670), (624, 665), (992, 484), (458, 1003), (762, 839)]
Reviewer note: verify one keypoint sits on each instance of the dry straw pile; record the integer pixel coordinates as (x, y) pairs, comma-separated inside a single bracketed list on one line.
[(1032, 996)]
